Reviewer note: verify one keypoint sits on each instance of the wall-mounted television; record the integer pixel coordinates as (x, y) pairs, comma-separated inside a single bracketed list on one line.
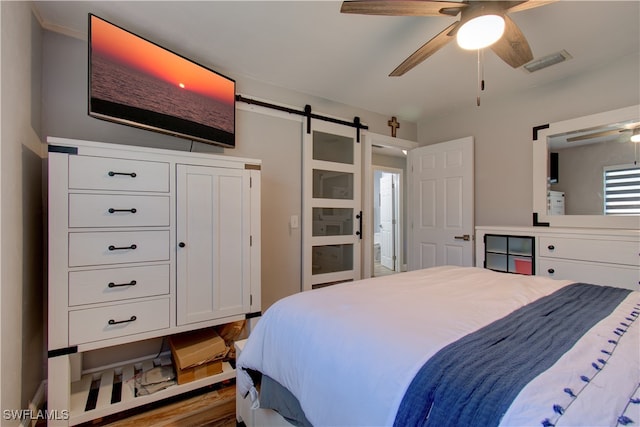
[(135, 82)]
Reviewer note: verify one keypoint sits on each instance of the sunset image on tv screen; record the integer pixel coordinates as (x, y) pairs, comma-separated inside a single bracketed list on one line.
[(134, 80)]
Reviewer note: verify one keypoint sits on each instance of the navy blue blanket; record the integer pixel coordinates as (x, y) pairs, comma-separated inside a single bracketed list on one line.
[(473, 381)]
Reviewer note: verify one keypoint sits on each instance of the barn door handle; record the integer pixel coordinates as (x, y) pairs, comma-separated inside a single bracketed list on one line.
[(359, 232), (464, 237)]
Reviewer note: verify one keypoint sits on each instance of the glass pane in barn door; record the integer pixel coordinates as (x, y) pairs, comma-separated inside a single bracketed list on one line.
[(331, 205)]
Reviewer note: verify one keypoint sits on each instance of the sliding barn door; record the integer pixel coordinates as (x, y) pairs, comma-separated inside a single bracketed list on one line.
[(332, 210)]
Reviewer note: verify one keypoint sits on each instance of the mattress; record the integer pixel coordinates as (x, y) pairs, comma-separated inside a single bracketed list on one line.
[(349, 352)]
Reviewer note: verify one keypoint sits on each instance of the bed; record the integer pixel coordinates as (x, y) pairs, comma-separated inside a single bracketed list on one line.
[(448, 346)]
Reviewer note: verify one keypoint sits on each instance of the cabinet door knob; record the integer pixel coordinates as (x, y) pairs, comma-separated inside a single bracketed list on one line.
[(182, 244), (551, 247), (551, 271)]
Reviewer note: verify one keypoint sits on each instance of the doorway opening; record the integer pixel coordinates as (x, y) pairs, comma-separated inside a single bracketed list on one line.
[(387, 221), (388, 154)]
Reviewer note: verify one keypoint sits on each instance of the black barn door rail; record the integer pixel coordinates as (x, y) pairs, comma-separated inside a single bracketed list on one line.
[(307, 113)]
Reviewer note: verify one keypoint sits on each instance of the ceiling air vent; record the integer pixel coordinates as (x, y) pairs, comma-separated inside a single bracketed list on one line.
[(546, 61)]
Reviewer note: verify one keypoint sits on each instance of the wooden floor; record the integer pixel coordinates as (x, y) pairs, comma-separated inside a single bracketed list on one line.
[(211, 408), (380, 270)]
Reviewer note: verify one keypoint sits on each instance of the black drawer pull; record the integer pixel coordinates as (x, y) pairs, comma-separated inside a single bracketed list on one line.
[(115, 248), (117, 285), (131, 174), (117, 322), (551, 271), (551, 247), (132, 210)]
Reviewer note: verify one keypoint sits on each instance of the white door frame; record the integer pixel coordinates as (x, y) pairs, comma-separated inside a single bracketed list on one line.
[(388, 216), (398, 212), (369, 139)]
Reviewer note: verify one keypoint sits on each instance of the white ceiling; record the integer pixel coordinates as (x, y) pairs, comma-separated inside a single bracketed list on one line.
[(310, 47)]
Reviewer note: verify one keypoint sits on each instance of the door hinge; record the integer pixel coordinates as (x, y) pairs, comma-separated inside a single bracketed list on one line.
[(250, 182), (250, 299), (250, 240)]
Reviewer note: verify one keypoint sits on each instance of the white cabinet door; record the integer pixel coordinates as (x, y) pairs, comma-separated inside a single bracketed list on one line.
[(213, 238)]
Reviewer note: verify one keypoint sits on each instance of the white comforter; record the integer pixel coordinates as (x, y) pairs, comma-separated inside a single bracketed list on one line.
[(348, 352)]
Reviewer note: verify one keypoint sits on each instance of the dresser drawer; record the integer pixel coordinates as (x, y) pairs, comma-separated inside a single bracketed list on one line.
[(114, 321), (103, 248), (94, 286), (104, 173), (613, 251), (114, 210), (620, 276)]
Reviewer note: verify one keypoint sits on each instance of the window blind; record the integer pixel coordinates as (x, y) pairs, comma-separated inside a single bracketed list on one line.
[(622, 190)]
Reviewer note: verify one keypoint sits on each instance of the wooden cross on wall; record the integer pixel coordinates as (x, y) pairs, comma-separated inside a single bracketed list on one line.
[(393, 123)]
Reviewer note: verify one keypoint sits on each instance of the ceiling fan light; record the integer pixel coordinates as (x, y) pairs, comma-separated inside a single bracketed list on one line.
[(480, 32), (635, 136)]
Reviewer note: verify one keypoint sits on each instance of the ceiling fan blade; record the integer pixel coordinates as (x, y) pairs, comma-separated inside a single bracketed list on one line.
[(512, 47), (524, 5), (596, 135), (428, 49), (401, 7)]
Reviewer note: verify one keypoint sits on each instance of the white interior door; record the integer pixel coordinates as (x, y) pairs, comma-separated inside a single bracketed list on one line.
[(332, 206), (441, 206), (387, 238)]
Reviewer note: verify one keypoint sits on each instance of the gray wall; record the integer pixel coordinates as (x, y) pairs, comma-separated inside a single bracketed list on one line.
[(278, 142), (21, 209), (275, 139), (502, 130)]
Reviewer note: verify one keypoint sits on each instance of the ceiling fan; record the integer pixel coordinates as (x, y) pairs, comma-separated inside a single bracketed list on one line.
[(511, 46), (632, 128)]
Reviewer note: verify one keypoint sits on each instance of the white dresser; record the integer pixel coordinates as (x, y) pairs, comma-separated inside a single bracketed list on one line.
[(143, 243), (599, 256)]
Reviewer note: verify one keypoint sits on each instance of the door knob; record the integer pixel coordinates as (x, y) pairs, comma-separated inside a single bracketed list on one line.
[(464, 237)]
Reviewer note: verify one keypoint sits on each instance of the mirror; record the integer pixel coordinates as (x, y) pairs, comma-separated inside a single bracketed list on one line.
[(570, 162)]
